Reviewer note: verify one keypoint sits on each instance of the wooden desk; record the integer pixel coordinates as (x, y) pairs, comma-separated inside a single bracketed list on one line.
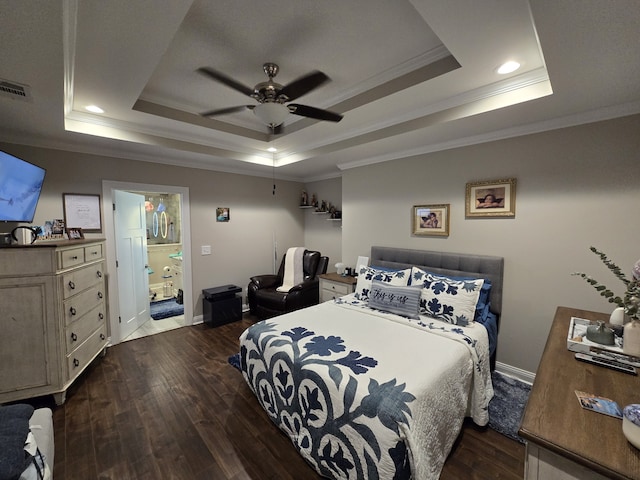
[(566, 441)]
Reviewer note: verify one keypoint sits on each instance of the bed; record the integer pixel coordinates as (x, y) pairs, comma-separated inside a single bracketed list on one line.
[(377, 384)]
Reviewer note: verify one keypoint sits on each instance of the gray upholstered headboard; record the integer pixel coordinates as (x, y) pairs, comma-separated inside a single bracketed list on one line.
[(456, 264)]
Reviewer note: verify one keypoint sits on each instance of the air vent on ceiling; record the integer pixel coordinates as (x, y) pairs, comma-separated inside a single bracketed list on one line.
[(15, 90)]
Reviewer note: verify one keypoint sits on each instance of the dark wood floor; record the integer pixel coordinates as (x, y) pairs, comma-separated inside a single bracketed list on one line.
[(169, 406)]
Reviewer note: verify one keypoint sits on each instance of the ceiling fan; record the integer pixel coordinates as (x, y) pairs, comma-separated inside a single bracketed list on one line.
[(273, 107)]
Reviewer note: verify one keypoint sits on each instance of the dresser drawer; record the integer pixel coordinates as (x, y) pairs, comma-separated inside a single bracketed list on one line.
[(77, 332), (72, 257), (79, 305), (81, 356), (77, 280), (93, 252), (338, 289)]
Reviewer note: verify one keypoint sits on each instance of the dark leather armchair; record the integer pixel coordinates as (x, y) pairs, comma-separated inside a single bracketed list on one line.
[(265, 301)]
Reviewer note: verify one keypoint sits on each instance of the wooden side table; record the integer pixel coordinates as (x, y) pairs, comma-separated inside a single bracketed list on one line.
[(334, 285), (565, 441)]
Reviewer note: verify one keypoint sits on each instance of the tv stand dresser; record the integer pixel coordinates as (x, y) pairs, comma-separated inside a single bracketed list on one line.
[(565, 441), (52, 316)]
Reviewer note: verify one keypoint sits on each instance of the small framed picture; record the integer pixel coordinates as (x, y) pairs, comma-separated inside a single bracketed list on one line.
[(431, 220), (75, 233), (222, 214), (491, 199)]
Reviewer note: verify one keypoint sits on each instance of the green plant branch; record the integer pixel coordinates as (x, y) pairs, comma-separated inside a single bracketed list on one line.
[(631, 300)]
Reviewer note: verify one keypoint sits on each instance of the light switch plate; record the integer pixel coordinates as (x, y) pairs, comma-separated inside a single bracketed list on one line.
[(206, 249)]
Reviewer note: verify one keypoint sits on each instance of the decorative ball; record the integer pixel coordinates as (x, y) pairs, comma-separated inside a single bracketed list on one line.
[(631, 424)]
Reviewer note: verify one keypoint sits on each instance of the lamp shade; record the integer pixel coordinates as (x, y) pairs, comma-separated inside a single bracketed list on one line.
[(340, 267), (271, 114)]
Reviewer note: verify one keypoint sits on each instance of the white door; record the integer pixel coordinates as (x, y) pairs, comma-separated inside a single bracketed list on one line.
[(131, 261)]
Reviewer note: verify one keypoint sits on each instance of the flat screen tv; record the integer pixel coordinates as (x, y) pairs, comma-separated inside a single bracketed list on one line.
[(20, 187)]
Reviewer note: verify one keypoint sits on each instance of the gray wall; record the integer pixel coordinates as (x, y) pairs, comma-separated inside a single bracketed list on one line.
[(241, 248), (320, 233), (576, 187)]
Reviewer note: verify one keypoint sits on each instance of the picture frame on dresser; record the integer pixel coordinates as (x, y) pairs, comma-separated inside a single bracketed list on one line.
[(75, 234), (82, 211)]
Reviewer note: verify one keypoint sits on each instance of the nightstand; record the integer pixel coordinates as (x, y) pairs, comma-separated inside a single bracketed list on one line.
[(333, 285)]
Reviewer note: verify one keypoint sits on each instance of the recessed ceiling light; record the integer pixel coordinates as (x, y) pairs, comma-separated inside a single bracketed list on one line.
[(272, 149), (94, 109), (508, 67)]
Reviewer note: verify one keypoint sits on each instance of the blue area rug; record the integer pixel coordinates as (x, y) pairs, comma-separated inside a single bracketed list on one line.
[(505, 408), (507, 405), (165, 309)]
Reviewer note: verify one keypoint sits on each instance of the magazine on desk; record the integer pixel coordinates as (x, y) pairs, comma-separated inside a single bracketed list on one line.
[(598, 404)]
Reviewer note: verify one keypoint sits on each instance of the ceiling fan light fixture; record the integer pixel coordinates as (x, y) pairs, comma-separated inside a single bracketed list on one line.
[(271, 114)]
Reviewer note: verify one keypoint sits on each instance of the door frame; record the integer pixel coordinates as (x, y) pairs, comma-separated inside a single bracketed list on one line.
[(108, 186)]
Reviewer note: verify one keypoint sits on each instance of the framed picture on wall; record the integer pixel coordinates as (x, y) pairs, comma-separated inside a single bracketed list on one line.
[(82, 211), (495, 198), (431, 220), (222, 214)]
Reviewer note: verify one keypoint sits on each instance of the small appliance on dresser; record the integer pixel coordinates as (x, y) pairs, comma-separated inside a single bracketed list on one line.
[(53, 299)]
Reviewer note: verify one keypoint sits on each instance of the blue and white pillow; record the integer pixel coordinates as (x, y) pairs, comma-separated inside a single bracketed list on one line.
[(366, 275), (449, 299), (403, 301)]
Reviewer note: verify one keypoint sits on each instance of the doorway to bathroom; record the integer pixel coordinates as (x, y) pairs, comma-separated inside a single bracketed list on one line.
[(163, 213)]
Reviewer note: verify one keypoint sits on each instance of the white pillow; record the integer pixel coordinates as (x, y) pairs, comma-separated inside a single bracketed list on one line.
[(367, 274), (448, 299)]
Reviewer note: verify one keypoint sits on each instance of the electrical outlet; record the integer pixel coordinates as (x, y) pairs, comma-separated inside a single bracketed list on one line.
[(206, 249)]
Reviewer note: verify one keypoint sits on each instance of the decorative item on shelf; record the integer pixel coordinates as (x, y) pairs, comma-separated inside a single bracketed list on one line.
[(314, 200), (322, 207), (600, 334), (304, 199), (631, 424)]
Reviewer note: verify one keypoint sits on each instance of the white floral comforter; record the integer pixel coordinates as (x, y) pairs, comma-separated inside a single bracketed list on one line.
[(364, 394)]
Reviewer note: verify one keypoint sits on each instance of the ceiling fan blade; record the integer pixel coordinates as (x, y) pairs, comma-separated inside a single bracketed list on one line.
[(228, 81), (222, 111), (303, 85), (312, 112)]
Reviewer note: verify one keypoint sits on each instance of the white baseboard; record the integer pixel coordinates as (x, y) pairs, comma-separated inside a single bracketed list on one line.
[(522, 375)]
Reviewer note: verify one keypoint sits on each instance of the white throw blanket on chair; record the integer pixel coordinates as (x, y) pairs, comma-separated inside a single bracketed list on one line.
[(293, 269)]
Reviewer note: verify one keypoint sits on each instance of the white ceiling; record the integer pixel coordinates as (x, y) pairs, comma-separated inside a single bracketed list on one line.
[(409, 76)]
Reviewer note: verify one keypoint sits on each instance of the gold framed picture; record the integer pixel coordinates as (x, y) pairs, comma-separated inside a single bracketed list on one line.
[(431, 220), (495, 198)]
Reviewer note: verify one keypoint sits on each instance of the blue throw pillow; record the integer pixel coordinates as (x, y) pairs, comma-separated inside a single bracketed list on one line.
[(404, 301)]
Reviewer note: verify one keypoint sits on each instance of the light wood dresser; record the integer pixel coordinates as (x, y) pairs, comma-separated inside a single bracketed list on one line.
[(333, 285), (53, 316), (565, 441)]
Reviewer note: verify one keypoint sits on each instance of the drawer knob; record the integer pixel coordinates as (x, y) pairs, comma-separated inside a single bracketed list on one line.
[(99, 273), (102, 337), (72, 311), (75, 257), (72, 285), (99, 294), (76, 362), (74, 337), (101, 316)]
